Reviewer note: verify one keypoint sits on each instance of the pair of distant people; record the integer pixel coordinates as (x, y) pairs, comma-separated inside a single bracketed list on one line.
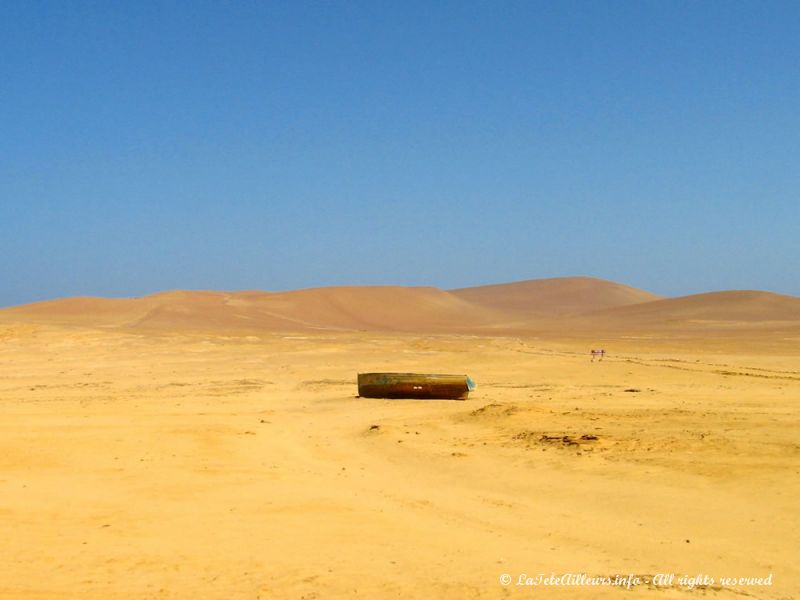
[(598, 354)]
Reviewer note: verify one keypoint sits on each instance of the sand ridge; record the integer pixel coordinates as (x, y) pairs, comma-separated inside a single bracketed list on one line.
[(569, 305), (749, 306), (349, 307), (555, 296)]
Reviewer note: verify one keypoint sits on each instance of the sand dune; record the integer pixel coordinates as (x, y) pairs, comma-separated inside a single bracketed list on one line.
[(88, 311), (731, 306), (381, 308), (554, 297), (392, 308), (566, 304)]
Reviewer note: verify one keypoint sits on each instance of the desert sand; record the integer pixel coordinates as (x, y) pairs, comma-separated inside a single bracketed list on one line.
[(211, 445)]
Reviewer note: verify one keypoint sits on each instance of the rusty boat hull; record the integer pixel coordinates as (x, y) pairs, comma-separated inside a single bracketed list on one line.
[(414, 386)]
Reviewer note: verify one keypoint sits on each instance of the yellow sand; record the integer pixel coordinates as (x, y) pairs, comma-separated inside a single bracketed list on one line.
[(213, 465)]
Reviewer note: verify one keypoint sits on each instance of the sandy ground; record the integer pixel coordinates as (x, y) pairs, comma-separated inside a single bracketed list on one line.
[(207, 466)]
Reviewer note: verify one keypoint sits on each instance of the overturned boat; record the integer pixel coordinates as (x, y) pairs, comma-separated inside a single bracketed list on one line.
[(414, 385)]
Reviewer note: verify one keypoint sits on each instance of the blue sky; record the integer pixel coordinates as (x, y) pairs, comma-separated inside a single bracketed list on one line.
[(275, 145)]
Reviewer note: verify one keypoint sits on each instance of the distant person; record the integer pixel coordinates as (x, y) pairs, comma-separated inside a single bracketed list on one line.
[(599, 354)]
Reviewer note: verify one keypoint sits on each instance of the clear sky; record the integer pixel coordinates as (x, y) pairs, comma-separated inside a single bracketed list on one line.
[(275, 145)]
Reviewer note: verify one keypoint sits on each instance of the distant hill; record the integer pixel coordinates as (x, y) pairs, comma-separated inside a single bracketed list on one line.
[(386, 308), (87, 311), (729, 306), (568, 304), (554, 297)]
